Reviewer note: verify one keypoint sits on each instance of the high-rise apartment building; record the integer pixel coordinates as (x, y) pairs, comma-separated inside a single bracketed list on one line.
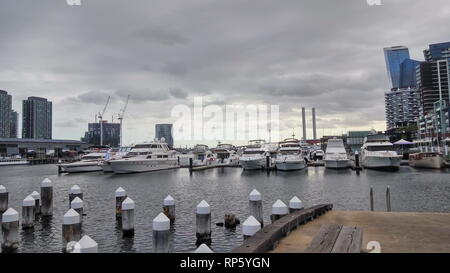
[(37, 118), (164, 131), (5, 114)]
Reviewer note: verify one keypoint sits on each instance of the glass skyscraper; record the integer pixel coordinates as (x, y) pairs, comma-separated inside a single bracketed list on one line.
[(164, 131), (5, 114), (394, 57), (37, 118)]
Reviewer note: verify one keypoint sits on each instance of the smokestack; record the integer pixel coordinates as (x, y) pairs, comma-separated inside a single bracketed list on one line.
[(314, 123), (304, 123)]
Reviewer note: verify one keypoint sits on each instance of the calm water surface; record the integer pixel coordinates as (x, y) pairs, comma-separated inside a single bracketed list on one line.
[(226, 190)]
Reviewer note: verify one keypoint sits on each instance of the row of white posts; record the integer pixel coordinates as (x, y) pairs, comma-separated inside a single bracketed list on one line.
[(42, 204)]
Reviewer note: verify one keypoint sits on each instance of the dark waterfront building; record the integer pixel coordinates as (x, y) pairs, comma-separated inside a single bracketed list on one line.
[(5, 114), (39, 147), (14, 124), (37, 118), (111, 134), (164, 131)]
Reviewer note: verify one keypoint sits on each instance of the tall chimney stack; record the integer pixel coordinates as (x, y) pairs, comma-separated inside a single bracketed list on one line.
[(304, 123), (314, 123)]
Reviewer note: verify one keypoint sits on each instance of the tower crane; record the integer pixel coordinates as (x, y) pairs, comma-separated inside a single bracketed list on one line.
[(100, 116), (121, 116)]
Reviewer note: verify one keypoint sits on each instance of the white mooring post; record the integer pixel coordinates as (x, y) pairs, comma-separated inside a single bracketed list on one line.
[(121, 195), (279, 209), (3, 199), (71, 228), (28, 214), (128, 206), (203, 248), (203, 223), (255, 204), (86, 245), (161, 232), (37, 200), (74, 192), (10, 230), (77, 205), (295, 204), (46, 197), (169, 208), (250, 227)]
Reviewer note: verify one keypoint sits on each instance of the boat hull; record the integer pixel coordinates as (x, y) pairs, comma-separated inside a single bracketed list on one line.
[(290, 165), (337, 164), (381, 163), (106, 167), (81, 168), (252, 164), (435, 162), (139, 166)]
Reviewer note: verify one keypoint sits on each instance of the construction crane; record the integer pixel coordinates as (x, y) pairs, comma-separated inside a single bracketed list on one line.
[(121, 115), (100, 116)]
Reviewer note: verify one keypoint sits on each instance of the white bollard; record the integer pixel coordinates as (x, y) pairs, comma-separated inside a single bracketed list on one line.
[(203, 249), (295, 204), (37, 200), (121, 195), (161, 232), (256, 207), (169, 208), (71, 228), (279, 209), (10, 230), (28, 214), (250, 227), (46, 197), (203, 222), (86, 245), (77, 205), (128, 217), (74, 192), (3, 199)]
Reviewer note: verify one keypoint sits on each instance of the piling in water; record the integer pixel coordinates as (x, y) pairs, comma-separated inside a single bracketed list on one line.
[(388, 199), (46, 197), (71, 228), (190, 164), (161, 232), (37, 199), (371, 198), (3, 199), (255, 205), (10, 230), (28, 214), (128, 217), (295, 204), (86, 245), (279, 209), (121, 195), (77, 205), (169, 208), (250, 227), (203, 248), (203, 223), (74, 192)]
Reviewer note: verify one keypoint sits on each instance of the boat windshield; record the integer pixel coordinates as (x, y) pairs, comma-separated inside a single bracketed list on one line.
[(380, 148), (253, 152), (289, 152), (91, 157)]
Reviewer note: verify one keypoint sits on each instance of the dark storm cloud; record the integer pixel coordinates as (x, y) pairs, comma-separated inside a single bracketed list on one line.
[(326, 54)]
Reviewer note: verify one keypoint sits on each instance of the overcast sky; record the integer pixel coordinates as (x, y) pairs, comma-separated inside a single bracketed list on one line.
[(312, 53)]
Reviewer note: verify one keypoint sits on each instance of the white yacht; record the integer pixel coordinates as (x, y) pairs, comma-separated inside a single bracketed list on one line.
[(335, 156), (429, 160), (378, 153), (202, 156), (290, 156), (254, 155), (146, 157), (88, 163), (226, 155), (113, 154)]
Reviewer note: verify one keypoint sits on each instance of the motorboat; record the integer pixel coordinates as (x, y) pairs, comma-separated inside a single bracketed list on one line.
[(336, 156), (88, 163), (146, 157), (226, 155), (378, 153), (254, 155), (113, 154), (290, 156), (430, 160)]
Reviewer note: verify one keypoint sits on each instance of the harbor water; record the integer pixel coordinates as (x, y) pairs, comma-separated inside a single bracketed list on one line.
[(225, 189)]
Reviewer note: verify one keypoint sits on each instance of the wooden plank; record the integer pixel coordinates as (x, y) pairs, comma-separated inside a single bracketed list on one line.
[(348, 241), (325, 239)]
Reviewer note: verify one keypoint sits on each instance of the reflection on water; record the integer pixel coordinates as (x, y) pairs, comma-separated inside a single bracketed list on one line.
[(225, 189)]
